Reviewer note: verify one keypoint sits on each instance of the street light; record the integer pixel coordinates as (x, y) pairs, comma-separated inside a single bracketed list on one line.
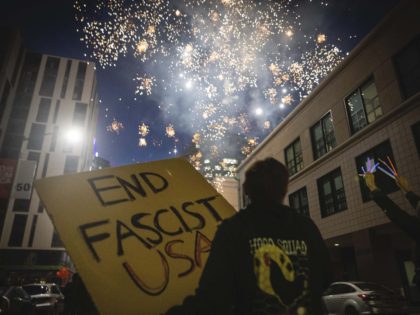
[(74, 135)]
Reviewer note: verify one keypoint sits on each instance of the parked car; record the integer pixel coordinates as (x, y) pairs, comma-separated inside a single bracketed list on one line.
[(15, 301), (46, 297), (352, 298)]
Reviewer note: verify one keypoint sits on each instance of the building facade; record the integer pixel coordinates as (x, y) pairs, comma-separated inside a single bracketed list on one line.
[(48, 111), (368, 107)]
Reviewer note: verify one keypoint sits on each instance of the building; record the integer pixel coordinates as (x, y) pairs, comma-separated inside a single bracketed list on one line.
[(369, 106), (48, 108), (99, 163)]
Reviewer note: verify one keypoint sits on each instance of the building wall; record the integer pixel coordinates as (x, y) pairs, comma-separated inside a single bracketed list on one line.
[(229, 190), (12, 53), (362, 231), (373, 57), (38, 231)]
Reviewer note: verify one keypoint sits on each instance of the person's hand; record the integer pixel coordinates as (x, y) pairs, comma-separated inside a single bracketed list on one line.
[(402, 182), (370, 181)]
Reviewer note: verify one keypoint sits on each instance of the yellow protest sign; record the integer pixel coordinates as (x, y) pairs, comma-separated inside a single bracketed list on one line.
[(139, 235)]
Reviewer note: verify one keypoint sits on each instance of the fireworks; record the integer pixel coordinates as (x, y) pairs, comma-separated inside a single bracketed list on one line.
[(142, 142), (170, 131), (144, 84), (115, 127), (213, 53), (321, 38), (143, 130)]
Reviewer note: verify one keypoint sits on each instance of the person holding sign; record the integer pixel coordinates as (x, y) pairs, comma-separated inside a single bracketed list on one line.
[(408, 223), (266, 259)]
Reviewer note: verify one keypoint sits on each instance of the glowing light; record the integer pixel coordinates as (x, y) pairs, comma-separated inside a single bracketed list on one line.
[(289, 33), (170, 131), (142, 142), (142, 46), (259, 111), (189, 84), (115, 127), (321, 38), (74, 135), (143, 130)]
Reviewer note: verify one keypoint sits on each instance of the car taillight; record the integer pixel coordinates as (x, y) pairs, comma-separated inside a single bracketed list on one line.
[(364, 297)]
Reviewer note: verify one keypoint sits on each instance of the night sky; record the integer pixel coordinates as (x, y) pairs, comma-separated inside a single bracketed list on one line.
[(49, 26)]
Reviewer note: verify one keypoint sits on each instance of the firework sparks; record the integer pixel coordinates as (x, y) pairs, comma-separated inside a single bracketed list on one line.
[(144, 85), (170, 131), (115, 127), (214, 52), (142, 142), (143, 130), (321, 38)]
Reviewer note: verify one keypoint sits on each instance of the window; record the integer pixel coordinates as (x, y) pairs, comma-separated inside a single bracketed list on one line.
[(43, 110), (323, 137), (65, 79), (36, 137), (70, 165), (363, 106), (416, 135), (18, 229), (50, 75), (54, 139), (56, 110), (384, 182), (56, 240), (407, 63), (33, 229), (40, 207), (294, 159), (332, 197), (80, 81), (79, 114), (339, 288), (299, 201), (45, 167), (33, 156), (21, 205)]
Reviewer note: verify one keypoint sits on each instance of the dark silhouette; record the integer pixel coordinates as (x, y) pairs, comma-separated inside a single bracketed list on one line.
[(77, 298), (408, 223), (266, 259)]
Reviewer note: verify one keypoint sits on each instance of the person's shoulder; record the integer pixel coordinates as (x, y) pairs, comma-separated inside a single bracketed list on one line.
[(236, 222), (299, 218)]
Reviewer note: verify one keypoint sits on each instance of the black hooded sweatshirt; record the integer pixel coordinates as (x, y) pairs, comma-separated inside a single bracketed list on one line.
[(266, 259)]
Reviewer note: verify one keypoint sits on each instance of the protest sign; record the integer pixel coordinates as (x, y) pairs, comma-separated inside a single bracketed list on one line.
[(139, 235)]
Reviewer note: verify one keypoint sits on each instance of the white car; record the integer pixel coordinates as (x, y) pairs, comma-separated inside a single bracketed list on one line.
[(46, 297), (356, 297)]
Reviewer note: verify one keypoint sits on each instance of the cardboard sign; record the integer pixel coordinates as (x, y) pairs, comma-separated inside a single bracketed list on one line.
[(139, 235)]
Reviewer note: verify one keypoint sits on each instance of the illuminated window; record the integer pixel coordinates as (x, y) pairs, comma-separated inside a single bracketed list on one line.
[(363, 106)]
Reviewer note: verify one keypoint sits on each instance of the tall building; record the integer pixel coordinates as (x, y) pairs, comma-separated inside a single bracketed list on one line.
[(48, 108), (368, 107)]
